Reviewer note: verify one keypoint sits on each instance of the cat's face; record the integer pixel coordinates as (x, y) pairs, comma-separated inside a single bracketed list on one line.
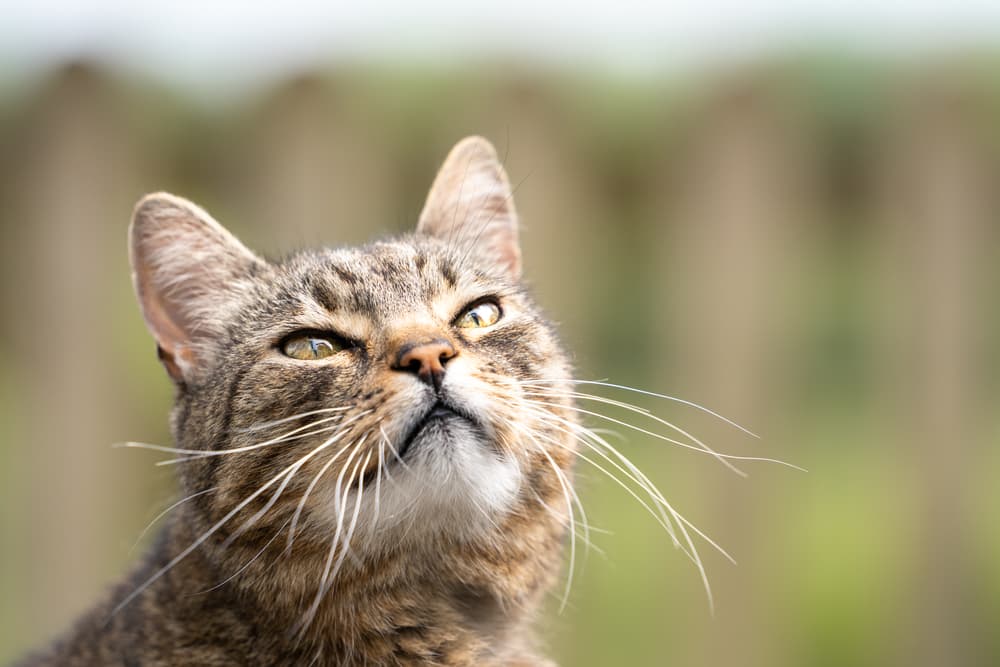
[(394, 351), (369, 397)]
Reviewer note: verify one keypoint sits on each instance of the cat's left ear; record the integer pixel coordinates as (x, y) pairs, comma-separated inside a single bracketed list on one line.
[(470, 205)]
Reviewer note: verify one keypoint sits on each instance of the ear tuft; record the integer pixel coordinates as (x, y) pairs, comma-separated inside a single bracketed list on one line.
[(187, 271), (470, 205)]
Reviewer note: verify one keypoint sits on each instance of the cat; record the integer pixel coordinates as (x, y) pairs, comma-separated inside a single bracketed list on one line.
[(375, 445)]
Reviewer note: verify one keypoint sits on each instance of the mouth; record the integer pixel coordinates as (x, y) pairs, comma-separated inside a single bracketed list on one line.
[(439, 413)]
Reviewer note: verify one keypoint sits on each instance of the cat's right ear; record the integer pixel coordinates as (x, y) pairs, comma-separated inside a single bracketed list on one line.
[(471, 205), (187, 270)]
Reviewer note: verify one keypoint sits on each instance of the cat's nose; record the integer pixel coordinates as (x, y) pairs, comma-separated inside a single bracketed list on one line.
[(426, 360)]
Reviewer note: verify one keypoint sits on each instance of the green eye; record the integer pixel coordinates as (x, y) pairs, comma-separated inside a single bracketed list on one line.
[(485, 314), (310, 347)]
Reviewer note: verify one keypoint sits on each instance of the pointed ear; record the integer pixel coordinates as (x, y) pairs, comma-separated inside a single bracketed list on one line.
[(187, 271), (470, 205)]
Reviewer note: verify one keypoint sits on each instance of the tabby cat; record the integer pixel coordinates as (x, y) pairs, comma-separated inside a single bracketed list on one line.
[(368, 479), (375, 447)]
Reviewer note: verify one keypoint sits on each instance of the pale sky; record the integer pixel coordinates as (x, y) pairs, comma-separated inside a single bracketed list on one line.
[(226, 42)]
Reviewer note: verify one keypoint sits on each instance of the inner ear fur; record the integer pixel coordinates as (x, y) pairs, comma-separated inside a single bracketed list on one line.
[(470, 204), (187, 270)]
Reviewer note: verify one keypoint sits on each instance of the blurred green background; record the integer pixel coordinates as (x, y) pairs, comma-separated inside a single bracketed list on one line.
[(807, 243)]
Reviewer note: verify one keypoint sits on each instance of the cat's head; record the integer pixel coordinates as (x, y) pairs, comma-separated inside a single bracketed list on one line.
[(376, 396)]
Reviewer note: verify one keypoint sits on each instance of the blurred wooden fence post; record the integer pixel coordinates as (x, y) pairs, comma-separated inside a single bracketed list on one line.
[(937, 193), (733, 227), (72, 205), (317, 170)]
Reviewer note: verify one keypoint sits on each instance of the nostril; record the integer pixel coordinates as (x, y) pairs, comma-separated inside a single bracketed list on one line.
[(425, 359)]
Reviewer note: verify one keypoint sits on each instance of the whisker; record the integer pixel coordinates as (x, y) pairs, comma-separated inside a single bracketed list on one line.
[(263, 510), (245, 565), (572, 525), (340, 499), (579, 434), (691, 551), (315, 480), (576, 498), (198, 542), (301, 436), (331, 572), (266, 425), (165, 512), (564, 518), (201, 453), (378, 486), (569, 494), (647, 393), (393, 449), (589, 438), (662, 520), (702, 447), (681, 522), (221, 522)]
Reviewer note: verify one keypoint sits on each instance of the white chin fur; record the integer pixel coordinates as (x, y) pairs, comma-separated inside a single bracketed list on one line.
[(454, 485)]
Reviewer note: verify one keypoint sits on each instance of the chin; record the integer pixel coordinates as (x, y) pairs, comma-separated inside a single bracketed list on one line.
[(452, 483)]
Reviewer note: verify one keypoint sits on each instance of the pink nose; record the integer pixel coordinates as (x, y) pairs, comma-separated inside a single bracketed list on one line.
[(426, 360)]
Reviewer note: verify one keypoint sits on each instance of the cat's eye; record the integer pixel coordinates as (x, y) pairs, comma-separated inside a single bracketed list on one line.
[(311, 346), (481, 315)]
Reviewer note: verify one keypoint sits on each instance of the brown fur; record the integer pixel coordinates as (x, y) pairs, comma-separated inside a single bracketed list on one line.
[(454, 568)]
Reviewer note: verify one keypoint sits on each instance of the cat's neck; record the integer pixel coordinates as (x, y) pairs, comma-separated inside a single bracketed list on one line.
[(448, 606)]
